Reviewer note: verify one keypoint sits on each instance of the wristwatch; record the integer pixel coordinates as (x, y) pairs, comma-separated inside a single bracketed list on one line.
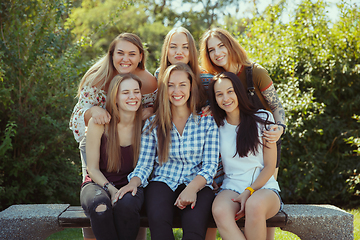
[(106, 186)]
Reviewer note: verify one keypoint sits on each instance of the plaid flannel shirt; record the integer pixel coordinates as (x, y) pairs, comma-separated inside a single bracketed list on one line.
[(194, 153)]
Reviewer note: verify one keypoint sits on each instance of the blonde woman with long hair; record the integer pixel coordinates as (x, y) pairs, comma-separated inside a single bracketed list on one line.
[(180, 149), (179, 46), (112, 151)]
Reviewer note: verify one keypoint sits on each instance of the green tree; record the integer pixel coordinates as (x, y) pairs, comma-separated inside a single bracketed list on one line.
[(316, 67), (210, 10), (114, 17), (39, 75)]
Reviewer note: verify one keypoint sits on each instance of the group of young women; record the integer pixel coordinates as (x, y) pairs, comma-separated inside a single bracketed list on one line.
[(167, 165)]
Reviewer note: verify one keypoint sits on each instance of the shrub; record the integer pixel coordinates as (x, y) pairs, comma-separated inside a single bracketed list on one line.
[(39, 76), (316, 68)]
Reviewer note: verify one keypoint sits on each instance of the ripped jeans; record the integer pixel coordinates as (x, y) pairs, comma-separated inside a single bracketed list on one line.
[(118, 221)]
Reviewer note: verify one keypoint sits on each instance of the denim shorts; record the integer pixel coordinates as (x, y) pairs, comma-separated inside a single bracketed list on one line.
[(278, 194), (272, 189)]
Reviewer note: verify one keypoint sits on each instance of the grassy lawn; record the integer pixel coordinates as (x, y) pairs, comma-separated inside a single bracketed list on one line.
[(76, 234)]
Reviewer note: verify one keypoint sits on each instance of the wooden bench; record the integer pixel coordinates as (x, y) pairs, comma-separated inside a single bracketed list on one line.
[(74, 217), (38, 221)]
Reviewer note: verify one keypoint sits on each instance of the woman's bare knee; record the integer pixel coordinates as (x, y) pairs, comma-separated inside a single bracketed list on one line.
[(101, 208)]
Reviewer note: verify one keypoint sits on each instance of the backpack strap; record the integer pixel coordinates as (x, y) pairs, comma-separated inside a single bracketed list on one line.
[(249, 80), (252, 96)]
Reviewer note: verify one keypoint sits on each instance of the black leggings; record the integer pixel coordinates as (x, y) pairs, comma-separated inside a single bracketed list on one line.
[(160, 209), (121, 221)]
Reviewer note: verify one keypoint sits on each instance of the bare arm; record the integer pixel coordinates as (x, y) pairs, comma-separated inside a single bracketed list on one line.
[(278, 111), (93, 142), (269, 151), (99, 115)]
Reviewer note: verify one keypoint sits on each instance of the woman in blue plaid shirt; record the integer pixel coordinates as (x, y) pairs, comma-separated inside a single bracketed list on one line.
[(181, 150)]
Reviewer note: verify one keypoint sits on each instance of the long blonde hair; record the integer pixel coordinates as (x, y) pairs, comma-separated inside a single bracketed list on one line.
[(193, 61), (163, 116), (113, 146), (103, 70), (237, 53)]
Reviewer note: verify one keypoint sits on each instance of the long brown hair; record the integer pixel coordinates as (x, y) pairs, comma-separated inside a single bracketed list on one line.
[(163, 116), (237, 53), (103, 70), (193, 61), (113, 146)]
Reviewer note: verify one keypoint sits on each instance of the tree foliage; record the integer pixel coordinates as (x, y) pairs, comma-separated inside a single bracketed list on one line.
[(114, 17), (39, 70), (316, 66)]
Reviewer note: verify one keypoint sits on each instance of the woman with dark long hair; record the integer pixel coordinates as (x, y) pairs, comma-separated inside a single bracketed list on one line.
[(249, 188)]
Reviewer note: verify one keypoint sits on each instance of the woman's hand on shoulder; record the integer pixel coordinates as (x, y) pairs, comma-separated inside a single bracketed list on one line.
[(273, 134), (99, 115), (94, 130), (206, 111)]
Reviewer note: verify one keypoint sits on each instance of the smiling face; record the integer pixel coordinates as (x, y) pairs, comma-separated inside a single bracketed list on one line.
[(178, 48), (218, 53), (129, 95), (126, 57), (179, 88), (225, 96)]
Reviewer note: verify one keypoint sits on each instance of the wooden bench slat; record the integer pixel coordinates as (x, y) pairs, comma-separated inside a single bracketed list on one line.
[(74, 217)]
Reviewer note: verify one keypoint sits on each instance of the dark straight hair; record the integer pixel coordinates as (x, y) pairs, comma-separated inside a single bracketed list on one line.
[(247, 136)]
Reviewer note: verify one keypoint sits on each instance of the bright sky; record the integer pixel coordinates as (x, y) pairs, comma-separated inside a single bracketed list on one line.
[(245, 7)]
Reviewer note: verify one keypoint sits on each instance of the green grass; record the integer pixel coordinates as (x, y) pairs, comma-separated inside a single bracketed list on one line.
[(76, 233), (68, 233), (356, 213)]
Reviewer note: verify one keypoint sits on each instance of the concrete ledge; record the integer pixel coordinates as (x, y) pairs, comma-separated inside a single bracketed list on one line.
[(33, 221), (319, 222), (38, 221)]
